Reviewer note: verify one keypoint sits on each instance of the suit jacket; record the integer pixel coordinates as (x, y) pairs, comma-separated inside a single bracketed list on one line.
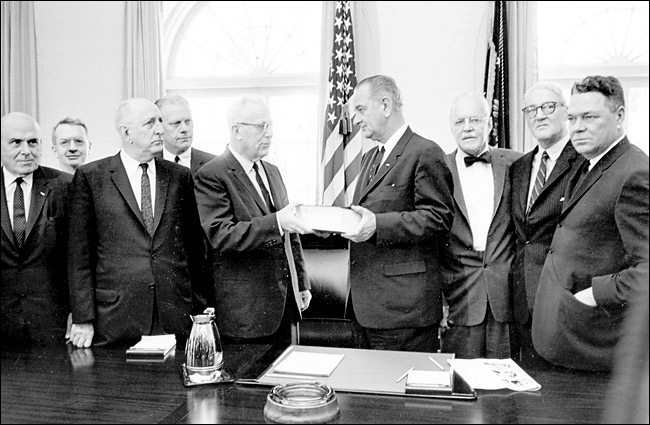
[(251, 270), (117, 271), (535, 230), (472, 280), (34, 282), (395, 275), (601, 242)]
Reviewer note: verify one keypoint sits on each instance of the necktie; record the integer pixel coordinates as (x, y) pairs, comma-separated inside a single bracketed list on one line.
[(265, 192), (20, 223), (539, 180), (177, 159), (376, 162), (484, 157), (147, 210)]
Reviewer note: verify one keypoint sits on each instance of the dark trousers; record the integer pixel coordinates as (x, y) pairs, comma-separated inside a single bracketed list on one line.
[(489, 339)]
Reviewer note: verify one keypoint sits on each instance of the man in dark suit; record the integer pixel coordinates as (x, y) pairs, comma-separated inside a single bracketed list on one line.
[(536, 211), (404, 196), (259, 271), (137, 264), (598, 258), (179, 133), (478, 252), (33, 239)]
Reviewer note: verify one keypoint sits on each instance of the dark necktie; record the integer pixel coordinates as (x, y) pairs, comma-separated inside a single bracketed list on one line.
[(376, 162), (147, 210), (20, 223), (265, 192), (177, 159), (539, 181), (484, 157)]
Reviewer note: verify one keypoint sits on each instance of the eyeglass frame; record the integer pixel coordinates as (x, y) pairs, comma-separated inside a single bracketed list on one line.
[(528, 109), (261, 127), (472, 121)]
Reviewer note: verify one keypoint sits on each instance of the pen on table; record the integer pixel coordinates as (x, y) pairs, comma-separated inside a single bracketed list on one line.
[(404, 376), (436, 363)]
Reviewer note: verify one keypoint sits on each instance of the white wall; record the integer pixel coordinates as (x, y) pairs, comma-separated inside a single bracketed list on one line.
[(80, 59), (434, 50)]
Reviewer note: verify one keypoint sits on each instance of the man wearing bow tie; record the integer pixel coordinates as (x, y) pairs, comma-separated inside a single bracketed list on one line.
[(479, 249)]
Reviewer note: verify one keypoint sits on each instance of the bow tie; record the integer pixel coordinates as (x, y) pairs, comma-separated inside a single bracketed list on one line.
[(484, 157)]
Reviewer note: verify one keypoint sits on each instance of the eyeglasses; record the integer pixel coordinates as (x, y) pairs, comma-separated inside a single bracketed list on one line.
[(473, 121), (261, 127), (547, 107)]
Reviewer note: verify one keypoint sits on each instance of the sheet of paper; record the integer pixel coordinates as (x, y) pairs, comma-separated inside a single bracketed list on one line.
[(494, 374), (304, 363), (431, 378), (155, 342)]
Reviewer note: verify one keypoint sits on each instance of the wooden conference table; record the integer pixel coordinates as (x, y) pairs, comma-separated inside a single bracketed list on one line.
[(98, 385)]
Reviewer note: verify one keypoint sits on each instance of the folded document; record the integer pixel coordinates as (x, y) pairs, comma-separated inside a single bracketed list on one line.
[(494, 374)]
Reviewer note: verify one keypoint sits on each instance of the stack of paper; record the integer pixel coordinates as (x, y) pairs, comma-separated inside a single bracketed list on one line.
[(152, 347), (429, 381), (494, 374), (328, 219)]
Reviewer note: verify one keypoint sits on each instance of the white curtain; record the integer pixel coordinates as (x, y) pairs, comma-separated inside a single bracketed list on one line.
[(144, 75), (19, 83), (522, 38)]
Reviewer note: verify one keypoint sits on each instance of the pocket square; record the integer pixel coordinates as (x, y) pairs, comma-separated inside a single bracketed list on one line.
[(562, 199)]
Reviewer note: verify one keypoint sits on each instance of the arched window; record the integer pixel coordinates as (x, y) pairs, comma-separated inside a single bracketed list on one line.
[(576, 39), (216, 51)]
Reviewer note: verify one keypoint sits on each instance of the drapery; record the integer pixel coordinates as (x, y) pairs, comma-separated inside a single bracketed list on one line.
[(144, 74), (19, 77)]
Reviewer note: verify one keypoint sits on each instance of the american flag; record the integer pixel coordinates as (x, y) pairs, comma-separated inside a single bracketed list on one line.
[(342, 149), (496, 76)]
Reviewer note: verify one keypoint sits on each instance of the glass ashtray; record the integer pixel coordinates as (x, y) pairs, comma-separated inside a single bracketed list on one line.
[(302, 403)]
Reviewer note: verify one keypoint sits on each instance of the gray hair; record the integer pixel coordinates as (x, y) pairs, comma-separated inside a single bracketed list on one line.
[(241, 104), (547, 86), (69, 121), (383, 85)]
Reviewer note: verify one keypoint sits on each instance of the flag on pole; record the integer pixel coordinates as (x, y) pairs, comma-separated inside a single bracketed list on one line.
[(496, 77), (342, 147)]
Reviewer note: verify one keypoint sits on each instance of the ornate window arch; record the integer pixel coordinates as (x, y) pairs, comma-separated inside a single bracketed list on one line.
[(215, 51)]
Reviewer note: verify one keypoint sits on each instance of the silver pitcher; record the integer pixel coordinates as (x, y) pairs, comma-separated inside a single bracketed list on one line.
[(203, 352)]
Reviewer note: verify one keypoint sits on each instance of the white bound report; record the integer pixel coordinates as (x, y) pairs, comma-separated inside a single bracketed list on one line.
[(304, 363)]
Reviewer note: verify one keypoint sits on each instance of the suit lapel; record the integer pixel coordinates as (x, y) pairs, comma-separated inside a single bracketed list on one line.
[(40, 192), (525, 185), (499, 176), (595, 174), (388, 163), (275, 186), (162, 187), (121, 181), (458, 190), (238, 173), (6, 221)]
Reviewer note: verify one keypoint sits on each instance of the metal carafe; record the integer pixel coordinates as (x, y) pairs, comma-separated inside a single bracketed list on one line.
[(203, 352)]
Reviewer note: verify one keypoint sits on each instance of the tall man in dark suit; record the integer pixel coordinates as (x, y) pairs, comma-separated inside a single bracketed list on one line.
[(259, 271), (33, 239), (137, 264), (478, 252), (538, 180), (404, 196), (179, 132), (598, 258)]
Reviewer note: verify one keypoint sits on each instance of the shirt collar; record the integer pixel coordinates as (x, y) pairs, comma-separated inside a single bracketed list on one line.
[(595, 160), (555, 150), (11, 178), (392, 141), (462, 154), (246, 163), (185, 156), (132, 166)]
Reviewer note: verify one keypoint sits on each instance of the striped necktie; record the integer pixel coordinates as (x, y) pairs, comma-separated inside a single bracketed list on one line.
[(147, 209), (539, 181)]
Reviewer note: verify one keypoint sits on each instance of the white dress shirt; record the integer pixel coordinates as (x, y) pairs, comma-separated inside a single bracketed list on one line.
[(553, 155), (391, 143), (185, 159), (477, 184), (594, 161), (10, 189), (134, 172)]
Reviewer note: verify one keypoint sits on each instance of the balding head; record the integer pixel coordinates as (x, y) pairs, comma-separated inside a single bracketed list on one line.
[(139, 123), (21, 143)]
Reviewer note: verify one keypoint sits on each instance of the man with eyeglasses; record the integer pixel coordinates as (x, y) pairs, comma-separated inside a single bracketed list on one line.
[(538, 180), (598, 260), (179, 133), (259, 271), (477, 253)]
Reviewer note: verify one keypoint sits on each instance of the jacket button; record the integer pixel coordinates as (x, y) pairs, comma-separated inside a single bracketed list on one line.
[(153, 256), (23, 296), (151, 286), (550, 251), (485, 266), (353, 262), (527, 242)]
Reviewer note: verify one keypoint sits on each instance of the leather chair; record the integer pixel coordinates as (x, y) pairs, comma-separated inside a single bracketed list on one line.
[(324, 322)]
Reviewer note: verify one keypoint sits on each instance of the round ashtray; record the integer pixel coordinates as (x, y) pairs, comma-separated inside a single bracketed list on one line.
[(302, 403)]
